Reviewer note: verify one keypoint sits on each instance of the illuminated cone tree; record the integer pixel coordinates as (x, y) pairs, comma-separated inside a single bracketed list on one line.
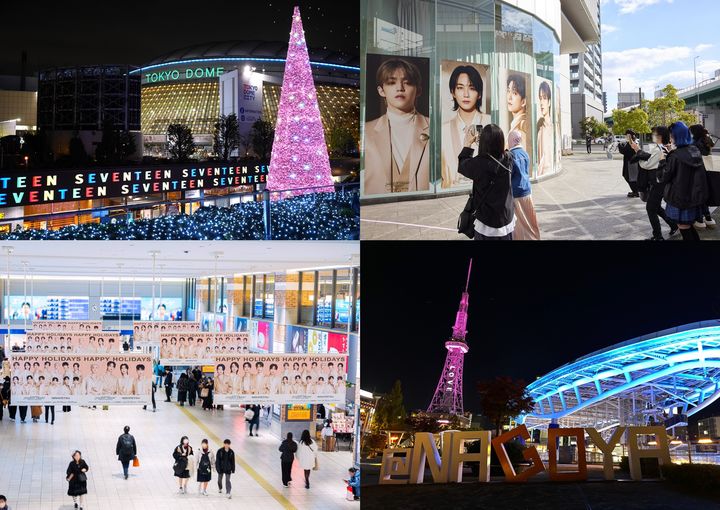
[(299, 154)]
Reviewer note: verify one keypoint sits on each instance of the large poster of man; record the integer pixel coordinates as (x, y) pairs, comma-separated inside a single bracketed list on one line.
[(465, 93), (81, 379), (280, 379), (558, 131), (147, 333), (516, 108), (72, 342), (397, 125), (545, 128), (193, 348)]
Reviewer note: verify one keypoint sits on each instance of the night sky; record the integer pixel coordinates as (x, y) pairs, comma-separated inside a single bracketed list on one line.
[(132, 32), (532, 309)]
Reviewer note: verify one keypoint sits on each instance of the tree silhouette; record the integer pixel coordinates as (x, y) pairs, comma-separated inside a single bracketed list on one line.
[(503, 398), (180, 142)]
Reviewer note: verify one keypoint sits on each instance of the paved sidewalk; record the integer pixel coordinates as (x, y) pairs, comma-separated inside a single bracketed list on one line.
[(586, 202)]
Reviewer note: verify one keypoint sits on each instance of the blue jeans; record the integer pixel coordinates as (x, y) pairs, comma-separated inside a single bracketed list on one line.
[(125, 465)]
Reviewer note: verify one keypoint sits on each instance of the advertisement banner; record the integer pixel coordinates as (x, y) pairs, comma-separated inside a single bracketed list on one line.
[(47, 307), (296, 340), (545, 127), (298, 412), (67, 326), (317, 341), (193, 348), (56, 379), (280, 379), (515, 115), (147, 333), (259, 336), (74, 342), (397, 125), (465, 92), (337, 343), (232, 343)]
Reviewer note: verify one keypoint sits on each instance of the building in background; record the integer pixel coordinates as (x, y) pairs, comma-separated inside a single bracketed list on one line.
[(586, 79), (629, 99), (194, 85), (18, 102)]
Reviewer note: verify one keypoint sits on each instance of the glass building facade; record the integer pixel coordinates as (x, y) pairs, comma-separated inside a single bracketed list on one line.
[(508, 56)]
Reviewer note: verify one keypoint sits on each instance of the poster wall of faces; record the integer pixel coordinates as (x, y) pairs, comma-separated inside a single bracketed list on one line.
[(198, 348), (99, 379), (397, 125), (67, 326), (280, 379), (147, 333), (66, 342), (465, 93)]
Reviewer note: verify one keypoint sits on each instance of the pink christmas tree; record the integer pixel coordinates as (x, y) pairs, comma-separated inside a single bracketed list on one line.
[(299, 154)]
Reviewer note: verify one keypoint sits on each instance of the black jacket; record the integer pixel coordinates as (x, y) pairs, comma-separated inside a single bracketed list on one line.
[(120, 451), (168, 379), (287, 449), (225, 461), (685, 178), (77, 487), (492, 187)]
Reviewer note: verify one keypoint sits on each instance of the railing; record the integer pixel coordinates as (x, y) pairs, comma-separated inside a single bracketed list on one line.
[(267, 197), (699, 85)]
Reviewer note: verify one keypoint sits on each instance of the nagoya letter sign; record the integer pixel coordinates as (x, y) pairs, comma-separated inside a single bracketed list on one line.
[(44, 187)]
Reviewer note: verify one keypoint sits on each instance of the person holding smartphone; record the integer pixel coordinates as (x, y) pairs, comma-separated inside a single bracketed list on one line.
[(630, 170)]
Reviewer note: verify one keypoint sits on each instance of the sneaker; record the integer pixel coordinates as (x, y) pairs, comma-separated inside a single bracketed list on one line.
[(220, 491), (674, 230), (180, 490), (709, 221), (205, 493), (229, 496), (699, 225)]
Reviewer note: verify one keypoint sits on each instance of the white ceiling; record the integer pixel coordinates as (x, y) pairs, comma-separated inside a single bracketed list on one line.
[(180, 259)]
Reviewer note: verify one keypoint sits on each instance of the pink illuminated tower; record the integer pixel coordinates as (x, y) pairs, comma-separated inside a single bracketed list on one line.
[(299, 156), (448, 398)]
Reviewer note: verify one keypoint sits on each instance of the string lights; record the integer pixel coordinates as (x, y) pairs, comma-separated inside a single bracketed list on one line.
[(299, 156)]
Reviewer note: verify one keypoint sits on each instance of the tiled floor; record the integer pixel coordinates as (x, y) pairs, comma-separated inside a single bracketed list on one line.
[(34, 457)]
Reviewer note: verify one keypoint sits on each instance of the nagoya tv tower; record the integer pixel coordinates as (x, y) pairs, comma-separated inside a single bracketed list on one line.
[(448, 398)]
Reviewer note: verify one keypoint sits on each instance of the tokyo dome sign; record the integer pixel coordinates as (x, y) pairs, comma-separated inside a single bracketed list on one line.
[(191, 73)]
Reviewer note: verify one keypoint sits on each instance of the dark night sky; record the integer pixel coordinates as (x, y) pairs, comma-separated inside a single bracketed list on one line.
[(132, 32), (572, 299)]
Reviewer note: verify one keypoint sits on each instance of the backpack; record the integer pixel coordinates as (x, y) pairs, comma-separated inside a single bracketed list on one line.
[(204, 466), (249, 414), (126, 445)]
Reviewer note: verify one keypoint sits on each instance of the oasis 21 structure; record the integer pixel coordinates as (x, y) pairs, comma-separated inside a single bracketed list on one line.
[(657, 379), (448, 398)]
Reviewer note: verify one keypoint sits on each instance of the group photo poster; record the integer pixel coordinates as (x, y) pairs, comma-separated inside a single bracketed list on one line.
[(52, 325), (516, 103), (56, 379), (146, 333), (82, 342), (465, 103), (397, 125), (280, 379)]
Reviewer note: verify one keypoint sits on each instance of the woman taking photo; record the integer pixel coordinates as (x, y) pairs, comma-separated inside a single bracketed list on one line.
[(307, 455), (490, 171), (686, 190), (77, 479), (183, 455)]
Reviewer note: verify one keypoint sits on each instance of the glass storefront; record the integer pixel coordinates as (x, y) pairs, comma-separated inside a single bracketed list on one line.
[(433, 69)]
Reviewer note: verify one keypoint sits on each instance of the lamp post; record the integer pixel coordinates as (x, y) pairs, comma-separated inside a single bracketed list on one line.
[(697, 90)]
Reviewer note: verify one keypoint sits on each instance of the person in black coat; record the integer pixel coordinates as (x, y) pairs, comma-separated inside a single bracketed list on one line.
[(4, 394), (182, 387), (704, 142), (168, 384), (255, 422), (225, 466), (77, 479), (126, 449), (287, 455), (588, 142), (491, 173), (192, 389), (628, 154), (183, 463)]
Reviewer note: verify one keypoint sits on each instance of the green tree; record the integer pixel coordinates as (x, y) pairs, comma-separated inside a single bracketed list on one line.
[(262, 136), (341, 141), (635, 119), (116, 145), (390, 410), (665, 110), (593, 127), (422, 423), (180, 142), (226, 136), (503, 398)]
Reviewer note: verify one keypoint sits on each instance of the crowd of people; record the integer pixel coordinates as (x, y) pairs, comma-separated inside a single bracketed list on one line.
[(675, 168)]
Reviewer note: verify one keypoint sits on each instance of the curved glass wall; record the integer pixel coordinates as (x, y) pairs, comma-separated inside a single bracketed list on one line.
[(431, 69)]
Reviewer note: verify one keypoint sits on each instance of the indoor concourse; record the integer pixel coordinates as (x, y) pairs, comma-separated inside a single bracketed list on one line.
[(35, 456)]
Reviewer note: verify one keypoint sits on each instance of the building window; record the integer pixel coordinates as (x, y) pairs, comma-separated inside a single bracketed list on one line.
[(306, 299), (258, 290), (269, 298), (247, 295), (343, 299), (325, 299)]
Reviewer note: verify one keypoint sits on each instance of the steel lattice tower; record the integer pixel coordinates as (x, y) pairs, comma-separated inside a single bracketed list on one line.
[(448, 398)]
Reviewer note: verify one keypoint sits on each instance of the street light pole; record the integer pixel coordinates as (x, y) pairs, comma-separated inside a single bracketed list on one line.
[(697, 90)]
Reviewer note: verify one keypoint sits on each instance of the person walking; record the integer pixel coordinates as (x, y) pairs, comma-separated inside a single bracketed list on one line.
[(182, 387), (158, 371), (652, 167), (205, 467), (490, 171), (4, 395), (183, 467), (686, 190), (328, 437), (192, 390), (354, 482), (630, 170), (168, 384), (588, 143), (152, 397), (307, 455), (287, 451), (208, 399), (76, 476), (255, 421), (50, 410), (704, 142), (225, 466), (126, 449), (526, 226), (36, 412)]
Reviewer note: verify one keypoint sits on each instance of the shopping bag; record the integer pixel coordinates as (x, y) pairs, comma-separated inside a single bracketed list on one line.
[(136, 462), (349, 494)]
